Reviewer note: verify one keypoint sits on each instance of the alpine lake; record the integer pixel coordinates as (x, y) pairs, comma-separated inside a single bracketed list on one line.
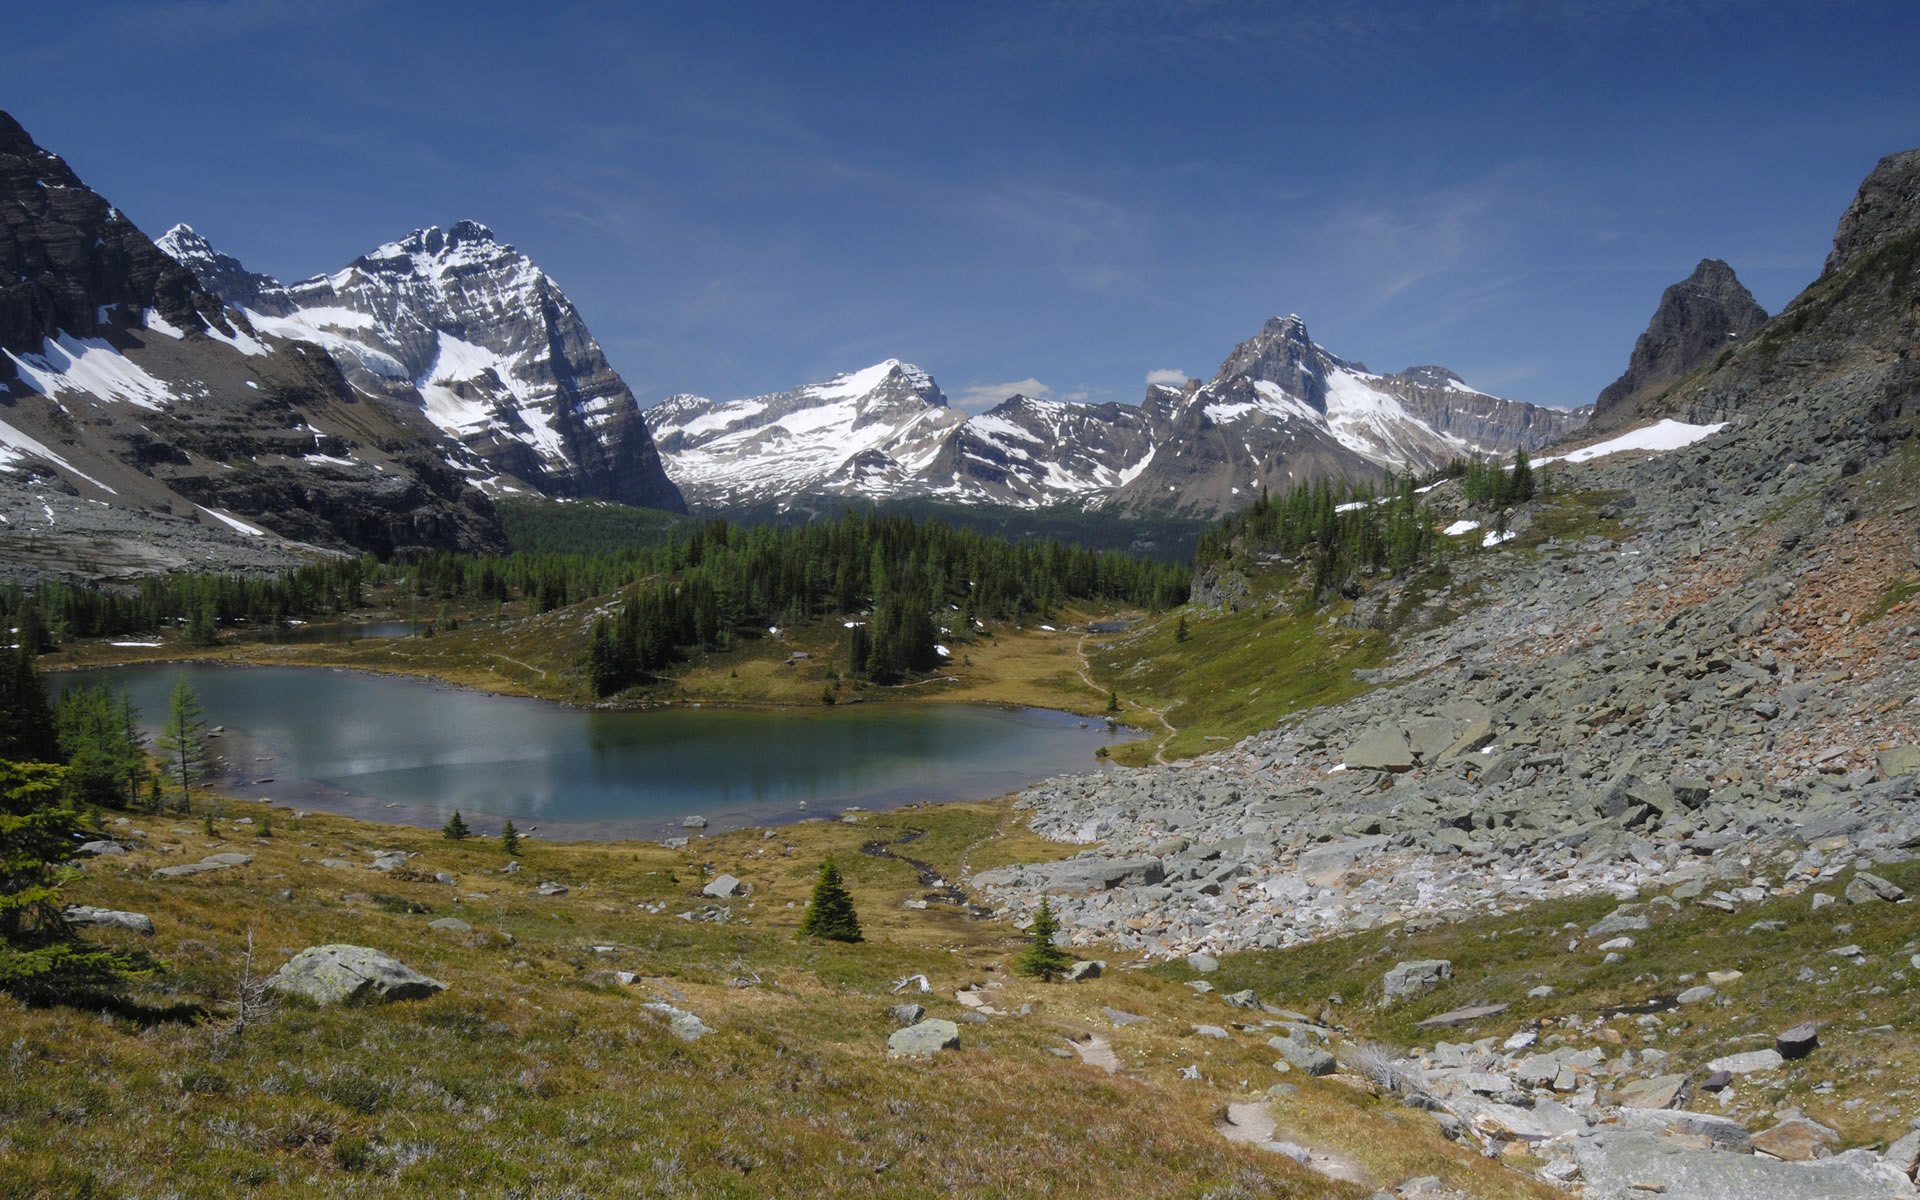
[(406, 750)]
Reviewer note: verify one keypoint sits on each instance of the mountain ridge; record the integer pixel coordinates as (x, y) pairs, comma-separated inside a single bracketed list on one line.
[(1182, 451)]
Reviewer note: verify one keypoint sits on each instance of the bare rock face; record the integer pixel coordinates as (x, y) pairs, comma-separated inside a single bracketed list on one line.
[(1886, 209), (73, 263), (1698, 318), (1446, 402)]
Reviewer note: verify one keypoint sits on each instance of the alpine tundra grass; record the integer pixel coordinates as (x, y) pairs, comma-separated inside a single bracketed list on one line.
[(537, 1072)]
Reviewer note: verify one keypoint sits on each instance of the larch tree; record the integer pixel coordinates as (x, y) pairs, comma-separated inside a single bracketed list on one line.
[(182, 741)]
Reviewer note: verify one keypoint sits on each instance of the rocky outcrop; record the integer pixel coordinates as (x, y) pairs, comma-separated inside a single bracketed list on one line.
[(1697, 320), (1886, 210)]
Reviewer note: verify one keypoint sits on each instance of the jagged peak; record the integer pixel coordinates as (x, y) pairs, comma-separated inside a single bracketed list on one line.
[(183, 237), (426, 249)]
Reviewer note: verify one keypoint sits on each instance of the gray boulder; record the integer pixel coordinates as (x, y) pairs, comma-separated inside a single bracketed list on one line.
[(1304, 1056), (1414, 978), (1628, 918), (924, 1038), (451, 925), (1901, 760), (1748, 1062), (1866, 887), (1799, 1041), (1203, 962), (906, 1014), (1247, 998), (1086, 968), (341, 974), (86, 914), (723, 886), (100, 847)]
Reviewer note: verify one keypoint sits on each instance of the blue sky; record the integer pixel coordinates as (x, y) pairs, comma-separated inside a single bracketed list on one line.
[(1061, 197)]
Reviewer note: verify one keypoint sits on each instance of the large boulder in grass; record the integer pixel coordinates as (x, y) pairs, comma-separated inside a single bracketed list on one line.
[(340, 974)]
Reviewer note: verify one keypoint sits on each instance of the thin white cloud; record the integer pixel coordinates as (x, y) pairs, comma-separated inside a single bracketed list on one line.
[(980, 397), (1167, 376)]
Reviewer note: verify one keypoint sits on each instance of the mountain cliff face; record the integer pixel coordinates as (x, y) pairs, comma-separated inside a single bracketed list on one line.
[(72, 262), (125, 382), (1281, 410), (481, 342), (1698, 318), (1844, 357)]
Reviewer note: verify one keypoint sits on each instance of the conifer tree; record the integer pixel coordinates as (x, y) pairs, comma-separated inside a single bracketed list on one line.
[(26, 720), (1041, 958), (40, 958), (1522, 485), (182, 741), (455, 830), (1180, 631), (202, 627), (509, 837), (830, 912)]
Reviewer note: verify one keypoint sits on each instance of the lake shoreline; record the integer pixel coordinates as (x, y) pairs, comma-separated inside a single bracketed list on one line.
[(592, 773)]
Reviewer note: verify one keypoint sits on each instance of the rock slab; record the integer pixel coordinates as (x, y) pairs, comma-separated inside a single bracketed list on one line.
[(86, 914), (924, 1038), (342, 974)]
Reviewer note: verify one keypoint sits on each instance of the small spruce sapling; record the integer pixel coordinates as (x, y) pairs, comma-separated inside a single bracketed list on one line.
[(1041, 958), (830, 912), (510, 838), (455, 830)]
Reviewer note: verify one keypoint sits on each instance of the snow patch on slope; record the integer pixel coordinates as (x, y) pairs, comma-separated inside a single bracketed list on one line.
[(15, 446), (92, 366), (1664, 434)]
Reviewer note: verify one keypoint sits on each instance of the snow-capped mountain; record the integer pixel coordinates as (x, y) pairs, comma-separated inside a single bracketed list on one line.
[(1284, 410), (481, 341), (1280, 410), (867, 434), (126, 384)]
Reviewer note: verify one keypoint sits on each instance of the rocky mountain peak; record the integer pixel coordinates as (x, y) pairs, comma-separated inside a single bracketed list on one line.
[(1697, 319), (475, 336), (1431, 376), (1281, 354), (80, 266), (222, 274), (1886, 208)]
